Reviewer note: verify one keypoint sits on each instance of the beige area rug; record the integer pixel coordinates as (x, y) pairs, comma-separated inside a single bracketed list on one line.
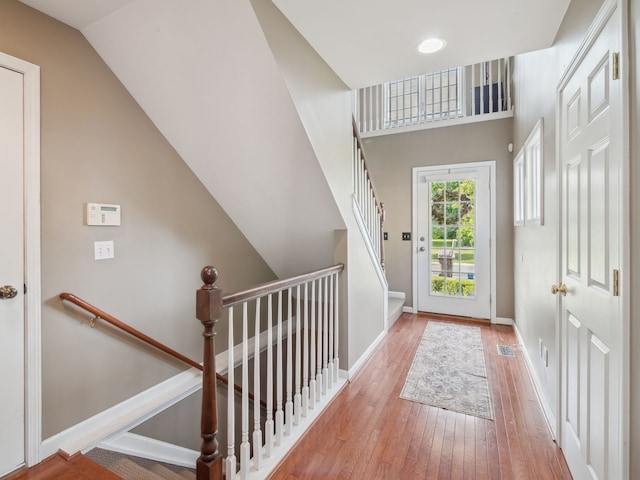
[(448, 370)]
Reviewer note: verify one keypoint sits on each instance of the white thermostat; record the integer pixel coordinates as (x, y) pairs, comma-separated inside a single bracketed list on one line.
[(102, 214)]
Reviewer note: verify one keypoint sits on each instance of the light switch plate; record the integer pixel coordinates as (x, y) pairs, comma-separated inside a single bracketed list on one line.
[(103, 250)]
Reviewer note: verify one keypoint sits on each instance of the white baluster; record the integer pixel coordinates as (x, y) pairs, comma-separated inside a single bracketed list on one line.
[(257, 433), (508, 79), (490, 83), (245, 448), (336, 308), (279, 371), (230, 461), (312, 343), (354, 172), (473, 90), (500, 84), (297, 398), (319, 345), (325, 338), (268, 426), (332, 378), (305, 355), (289, 403)]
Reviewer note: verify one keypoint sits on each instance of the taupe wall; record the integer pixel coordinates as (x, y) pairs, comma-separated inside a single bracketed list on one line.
[(391, 158), (99, 146), (536, 76)]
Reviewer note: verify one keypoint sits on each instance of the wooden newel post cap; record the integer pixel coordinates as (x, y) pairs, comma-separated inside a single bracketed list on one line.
[(208, 297), (209, 276)]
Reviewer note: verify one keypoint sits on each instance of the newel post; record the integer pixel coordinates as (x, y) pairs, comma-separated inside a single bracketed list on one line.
[(208, 311)]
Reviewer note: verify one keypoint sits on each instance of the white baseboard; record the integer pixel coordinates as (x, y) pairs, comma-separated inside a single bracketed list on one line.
[(406, 309), (365, 356), (503, 321), (145, 447), (542, 398), (125, 415)]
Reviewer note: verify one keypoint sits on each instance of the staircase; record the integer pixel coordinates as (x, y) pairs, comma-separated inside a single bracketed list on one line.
[(136, 468)]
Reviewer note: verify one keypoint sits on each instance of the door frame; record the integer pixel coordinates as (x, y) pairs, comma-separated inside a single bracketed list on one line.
[(33, 302), (417, 172), (601, 19)]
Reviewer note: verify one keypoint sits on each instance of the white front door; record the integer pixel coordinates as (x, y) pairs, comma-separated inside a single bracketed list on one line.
[(12, 306), (590, 141), (453, 241)]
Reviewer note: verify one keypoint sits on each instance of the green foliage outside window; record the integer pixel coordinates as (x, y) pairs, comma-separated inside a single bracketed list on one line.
[(453, 286)]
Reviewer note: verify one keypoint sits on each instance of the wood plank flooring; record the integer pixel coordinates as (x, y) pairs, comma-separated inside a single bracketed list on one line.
[(369, 432), (56, 467)]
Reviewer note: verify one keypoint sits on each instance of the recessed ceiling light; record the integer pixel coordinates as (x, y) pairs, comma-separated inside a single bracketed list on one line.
[(431, 45)]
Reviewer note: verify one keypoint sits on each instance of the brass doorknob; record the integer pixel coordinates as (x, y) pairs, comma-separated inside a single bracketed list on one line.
[(7, 292), (562, 289)]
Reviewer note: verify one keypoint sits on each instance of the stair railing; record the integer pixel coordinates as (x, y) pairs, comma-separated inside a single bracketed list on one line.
[(102, 315), (366, 198), (482, 91), (302, 312)]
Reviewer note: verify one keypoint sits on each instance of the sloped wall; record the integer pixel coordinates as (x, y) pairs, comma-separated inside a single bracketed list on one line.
[(203, 72), (99, 146)]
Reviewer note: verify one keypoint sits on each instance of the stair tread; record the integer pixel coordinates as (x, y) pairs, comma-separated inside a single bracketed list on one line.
[(165, 473), (129, 470), (188, 474)]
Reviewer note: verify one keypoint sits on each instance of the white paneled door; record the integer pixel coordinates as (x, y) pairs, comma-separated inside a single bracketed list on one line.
[(590, 158), (12, 330)]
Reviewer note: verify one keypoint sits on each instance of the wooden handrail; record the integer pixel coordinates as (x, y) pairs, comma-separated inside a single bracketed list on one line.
[(70, 297), (277, 285), (127, 328)]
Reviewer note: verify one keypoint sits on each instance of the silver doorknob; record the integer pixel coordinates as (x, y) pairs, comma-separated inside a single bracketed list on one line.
[(7, 292), (422, 249)]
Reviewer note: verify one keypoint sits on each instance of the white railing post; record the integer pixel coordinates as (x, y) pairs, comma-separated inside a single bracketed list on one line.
[(269, 426), (279, 411), (319, 345), (336, 358), (257, 433), (305, 354), (289, 401), (230, 461), (325, 338), (297, 397), (245, 448), (332, 378), (312, 342)]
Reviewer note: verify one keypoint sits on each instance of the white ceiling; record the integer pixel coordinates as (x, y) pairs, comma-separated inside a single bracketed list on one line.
[(371, 41)]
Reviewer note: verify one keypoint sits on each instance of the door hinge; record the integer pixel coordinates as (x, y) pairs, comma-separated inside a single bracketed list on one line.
[(616, 66), (616, 283)]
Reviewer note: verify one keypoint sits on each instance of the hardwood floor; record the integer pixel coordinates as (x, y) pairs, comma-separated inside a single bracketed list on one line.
[(56, 467), (369, 432)]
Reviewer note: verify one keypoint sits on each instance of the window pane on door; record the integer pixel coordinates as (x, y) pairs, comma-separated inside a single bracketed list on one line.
[(452, 239)]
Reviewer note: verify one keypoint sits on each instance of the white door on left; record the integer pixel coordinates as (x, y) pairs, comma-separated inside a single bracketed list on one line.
[(12, 306)]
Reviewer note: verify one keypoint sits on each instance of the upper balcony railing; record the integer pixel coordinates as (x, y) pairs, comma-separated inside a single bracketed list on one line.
[(482, 91)]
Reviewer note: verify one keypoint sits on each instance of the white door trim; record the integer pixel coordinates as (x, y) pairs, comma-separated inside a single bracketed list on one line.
[(417, 171), (33, 303), (601, 19)]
